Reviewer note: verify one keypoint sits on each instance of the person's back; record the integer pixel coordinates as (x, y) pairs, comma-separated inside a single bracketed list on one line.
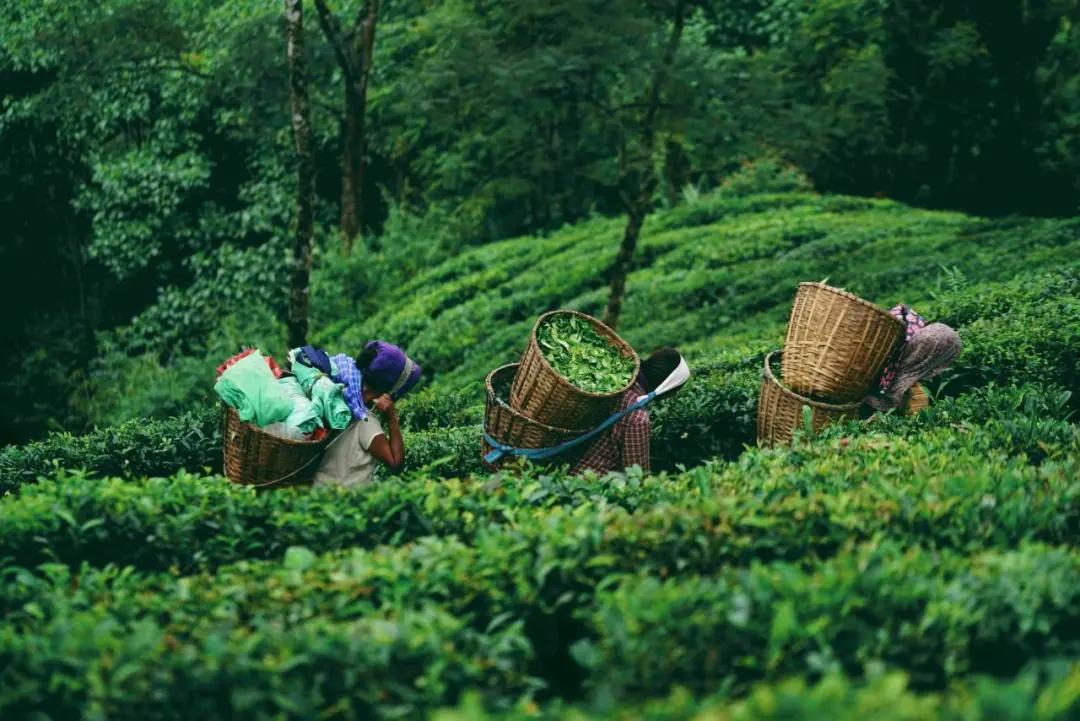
[(626, 443), (623, 445), (380, 374)]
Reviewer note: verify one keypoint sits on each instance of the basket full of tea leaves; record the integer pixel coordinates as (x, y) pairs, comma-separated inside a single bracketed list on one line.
[(573, 372)]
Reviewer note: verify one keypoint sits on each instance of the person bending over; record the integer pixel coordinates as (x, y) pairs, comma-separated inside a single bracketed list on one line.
[(383, 374), (626, 443)]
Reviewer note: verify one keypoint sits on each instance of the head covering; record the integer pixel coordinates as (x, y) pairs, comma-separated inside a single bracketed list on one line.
[(391, 369), (928, 353)]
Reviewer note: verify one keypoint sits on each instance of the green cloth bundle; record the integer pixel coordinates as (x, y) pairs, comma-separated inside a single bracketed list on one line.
[(305, 416), (325, 395), (249, 386)]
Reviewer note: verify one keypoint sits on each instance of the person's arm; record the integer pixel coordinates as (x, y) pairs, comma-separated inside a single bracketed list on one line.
[(390, 451), (635, 441)]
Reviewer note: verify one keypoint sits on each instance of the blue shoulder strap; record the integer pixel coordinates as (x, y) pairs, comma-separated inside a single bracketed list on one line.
[(535, 454)]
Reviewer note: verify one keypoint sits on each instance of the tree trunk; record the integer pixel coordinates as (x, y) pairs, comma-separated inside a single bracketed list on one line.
[(299, 277), (639, 203), (352, 167), (621, 268), (353, 49)]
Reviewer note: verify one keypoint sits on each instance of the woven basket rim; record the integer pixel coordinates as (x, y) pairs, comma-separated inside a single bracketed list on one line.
[(492, 396), (768, 375), (619, 343), (278, 439), (851, 296)]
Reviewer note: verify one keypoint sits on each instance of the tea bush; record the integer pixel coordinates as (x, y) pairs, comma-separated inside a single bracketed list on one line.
[(933, 615), (1047, 693), (891, 558), (478, 613), (715, 279), (769, 503), (133, 448)]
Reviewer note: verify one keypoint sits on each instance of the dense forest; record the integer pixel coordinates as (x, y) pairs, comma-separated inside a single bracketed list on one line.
[(149, 165)]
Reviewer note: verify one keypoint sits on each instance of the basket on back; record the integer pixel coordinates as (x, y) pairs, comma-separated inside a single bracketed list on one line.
[(780, 410), (511, 427), (543, 395), (836, 344), (254, 457)]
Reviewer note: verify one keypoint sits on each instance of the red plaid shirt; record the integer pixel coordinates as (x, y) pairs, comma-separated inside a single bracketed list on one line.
[(623, 445)]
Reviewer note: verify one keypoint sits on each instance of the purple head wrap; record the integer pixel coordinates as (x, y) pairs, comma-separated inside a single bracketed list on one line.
[(391, 369)]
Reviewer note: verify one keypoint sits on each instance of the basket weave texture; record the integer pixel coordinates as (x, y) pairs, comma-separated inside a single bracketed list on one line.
[(512, 427), (780, 409), (546, 397), (917, 400), (254, 457), (836, 344)]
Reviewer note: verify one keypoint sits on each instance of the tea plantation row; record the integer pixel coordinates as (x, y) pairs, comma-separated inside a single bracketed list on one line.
[(402, 630), (1024, 330), (1039, 695), (720, 271), (782, 503)]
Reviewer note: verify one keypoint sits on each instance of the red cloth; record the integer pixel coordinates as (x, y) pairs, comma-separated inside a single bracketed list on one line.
[(623, 445), (270, 363)]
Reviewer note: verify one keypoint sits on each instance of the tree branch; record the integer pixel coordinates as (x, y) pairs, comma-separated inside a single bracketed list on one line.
[(336, 37)]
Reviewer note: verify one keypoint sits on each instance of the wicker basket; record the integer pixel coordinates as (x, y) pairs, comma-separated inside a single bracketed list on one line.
[(511, 427), (543, 395), (780, 410), (917, 400), (254, 457), (837, 343)]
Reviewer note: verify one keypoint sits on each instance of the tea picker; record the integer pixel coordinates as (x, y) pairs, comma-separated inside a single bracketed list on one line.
[(578, 383)]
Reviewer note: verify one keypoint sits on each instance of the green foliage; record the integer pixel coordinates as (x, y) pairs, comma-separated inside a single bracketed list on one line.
[(221, 665), (1040, 694), (936, 615), (582, 356), (784, 503), (137, 447)]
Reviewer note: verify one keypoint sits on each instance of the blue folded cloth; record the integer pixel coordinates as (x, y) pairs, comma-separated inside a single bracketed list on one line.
[(348, 374)]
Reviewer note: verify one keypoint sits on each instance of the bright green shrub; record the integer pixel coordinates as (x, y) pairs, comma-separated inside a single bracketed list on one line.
[(108, 661), (1032, 696), (934, 615), (133, 448), (782, 503)]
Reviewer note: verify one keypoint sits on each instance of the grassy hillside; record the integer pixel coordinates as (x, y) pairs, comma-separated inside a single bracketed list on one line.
[(909, 568), (714, 276)]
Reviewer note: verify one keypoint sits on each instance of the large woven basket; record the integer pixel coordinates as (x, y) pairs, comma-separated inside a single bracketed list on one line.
[(780, 411), (837, 343), (511, 427), (254, 457), (543, 395), (917, 400)]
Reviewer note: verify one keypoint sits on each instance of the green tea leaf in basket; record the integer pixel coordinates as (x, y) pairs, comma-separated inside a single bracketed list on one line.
[(582, 356)]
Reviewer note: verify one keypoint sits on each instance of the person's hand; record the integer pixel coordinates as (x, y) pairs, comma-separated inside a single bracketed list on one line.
[(384, 404)]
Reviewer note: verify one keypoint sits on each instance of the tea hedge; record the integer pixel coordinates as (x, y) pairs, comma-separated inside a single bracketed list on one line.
[(781, 502), (134, 448), (708, 272), (934, 614), (1041, 694), (1027, 330), (98, 663)]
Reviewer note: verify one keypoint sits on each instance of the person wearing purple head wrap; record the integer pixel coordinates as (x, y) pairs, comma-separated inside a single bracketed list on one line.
[(385, 374), (388, 368)]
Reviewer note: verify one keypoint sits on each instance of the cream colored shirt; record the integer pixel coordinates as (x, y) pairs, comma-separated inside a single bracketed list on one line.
[(349, 462)]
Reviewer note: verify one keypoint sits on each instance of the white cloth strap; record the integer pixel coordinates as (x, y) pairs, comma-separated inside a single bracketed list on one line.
[(406, 371)]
